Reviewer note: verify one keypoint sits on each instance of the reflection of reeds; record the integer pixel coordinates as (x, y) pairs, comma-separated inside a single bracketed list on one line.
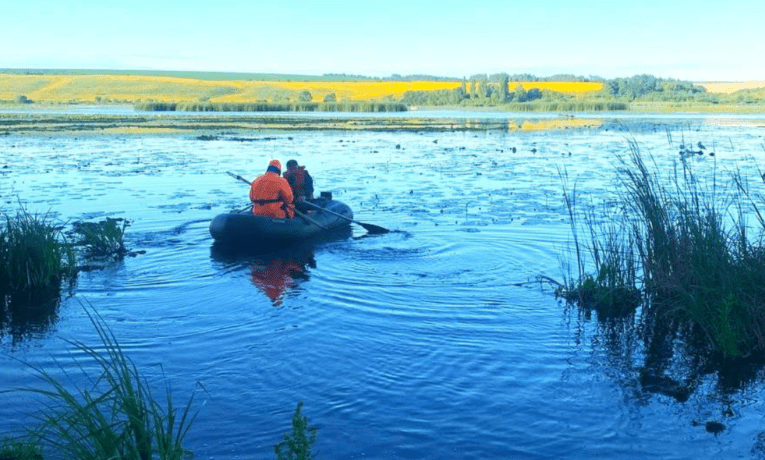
[(11, 449), (565, 106), (117, 416), (691, 249), (33, 254)]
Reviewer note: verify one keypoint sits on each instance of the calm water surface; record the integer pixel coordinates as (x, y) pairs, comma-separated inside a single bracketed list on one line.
[(431, 342)]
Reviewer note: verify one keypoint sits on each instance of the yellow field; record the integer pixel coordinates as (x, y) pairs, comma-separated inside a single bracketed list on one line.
[(730, 86), (62, 89)]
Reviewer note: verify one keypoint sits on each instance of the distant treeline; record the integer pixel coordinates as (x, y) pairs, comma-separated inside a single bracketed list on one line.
[(520, 100), (617, 94), (272, 107)]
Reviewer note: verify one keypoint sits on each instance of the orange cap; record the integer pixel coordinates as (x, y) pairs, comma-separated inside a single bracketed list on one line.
[(276, 164)]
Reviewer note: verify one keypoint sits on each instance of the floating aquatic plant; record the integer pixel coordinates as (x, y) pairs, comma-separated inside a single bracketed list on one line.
[(102, 239)]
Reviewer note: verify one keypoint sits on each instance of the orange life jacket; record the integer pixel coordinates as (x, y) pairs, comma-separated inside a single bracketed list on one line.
[(297, 182), (271, 196)]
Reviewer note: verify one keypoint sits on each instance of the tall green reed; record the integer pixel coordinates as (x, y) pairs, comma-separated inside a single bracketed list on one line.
[(116, 416), (34, 254), (683, 242), (612, 290)]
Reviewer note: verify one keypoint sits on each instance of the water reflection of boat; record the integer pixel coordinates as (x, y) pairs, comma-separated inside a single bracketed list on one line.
[(246, 229), (275, 275), (276, 271)]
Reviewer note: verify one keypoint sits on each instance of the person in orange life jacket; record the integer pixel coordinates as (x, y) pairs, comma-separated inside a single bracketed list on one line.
[(300, 182), (271, 195)]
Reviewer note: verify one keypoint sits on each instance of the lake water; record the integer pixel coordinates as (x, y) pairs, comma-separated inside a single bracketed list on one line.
[(435, 341)]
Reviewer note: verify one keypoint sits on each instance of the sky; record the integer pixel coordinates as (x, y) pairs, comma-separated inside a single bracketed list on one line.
[(700, 40)]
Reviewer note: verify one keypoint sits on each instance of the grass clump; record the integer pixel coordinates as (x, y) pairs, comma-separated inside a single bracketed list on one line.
[(102, 239), (11, 449), (686, 249), (34, 254), (297, 445), (116, 416)]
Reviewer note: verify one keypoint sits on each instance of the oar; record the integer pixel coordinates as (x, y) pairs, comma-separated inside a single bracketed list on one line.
[(373, 229), (237, 176), (308, 219)]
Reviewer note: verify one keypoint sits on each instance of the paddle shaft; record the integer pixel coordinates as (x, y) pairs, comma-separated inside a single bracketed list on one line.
[(369, 227), (308, 219)]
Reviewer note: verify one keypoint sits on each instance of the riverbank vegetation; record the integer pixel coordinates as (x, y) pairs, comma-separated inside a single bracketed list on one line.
[(199, 91), (272, 107), (115, 416), (37, 255), (679, 251), (34, 254), (38, 259)]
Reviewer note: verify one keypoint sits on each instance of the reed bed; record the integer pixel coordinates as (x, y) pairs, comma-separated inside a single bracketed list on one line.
[(273, 107), (37, 257), (34, 254), (681, 249)]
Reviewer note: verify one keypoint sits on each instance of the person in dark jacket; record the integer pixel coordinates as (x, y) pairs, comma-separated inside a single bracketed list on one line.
[(300, 182)]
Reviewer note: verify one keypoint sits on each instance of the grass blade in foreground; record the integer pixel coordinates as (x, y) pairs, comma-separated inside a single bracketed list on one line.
[(116, 416)]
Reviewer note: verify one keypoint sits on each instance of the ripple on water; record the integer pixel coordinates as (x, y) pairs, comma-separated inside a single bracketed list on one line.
[(434, 340)]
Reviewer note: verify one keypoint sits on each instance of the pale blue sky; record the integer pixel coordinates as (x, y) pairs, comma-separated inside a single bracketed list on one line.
[(690, 40)]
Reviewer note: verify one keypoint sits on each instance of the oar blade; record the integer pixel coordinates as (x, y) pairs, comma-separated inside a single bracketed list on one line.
[(374, 229)]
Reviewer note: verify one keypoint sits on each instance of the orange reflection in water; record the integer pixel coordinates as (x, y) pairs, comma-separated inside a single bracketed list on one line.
[(276, 276)]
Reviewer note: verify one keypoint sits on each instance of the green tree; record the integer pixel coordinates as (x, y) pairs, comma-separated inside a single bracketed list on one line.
[(305, 96), (500, 81), (331, 97), (519, 94)]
